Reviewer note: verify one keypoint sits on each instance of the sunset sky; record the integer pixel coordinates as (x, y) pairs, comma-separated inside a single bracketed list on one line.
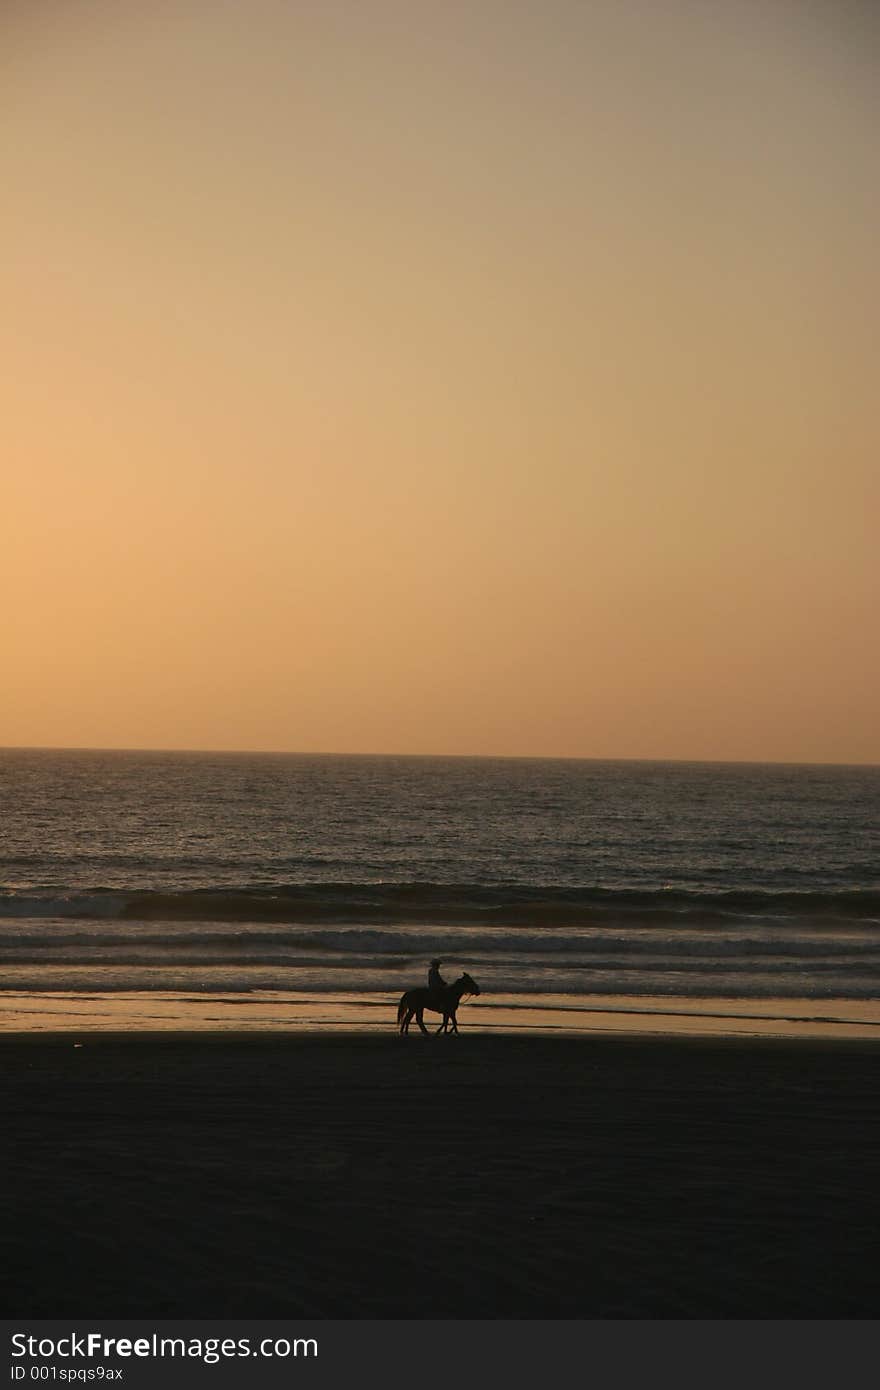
[(486, 376)]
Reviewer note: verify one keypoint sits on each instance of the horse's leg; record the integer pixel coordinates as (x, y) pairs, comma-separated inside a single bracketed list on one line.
[(421, 1020), (454, 1023)]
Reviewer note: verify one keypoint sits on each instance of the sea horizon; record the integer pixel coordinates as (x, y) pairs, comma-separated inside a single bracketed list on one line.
[(450, 757)]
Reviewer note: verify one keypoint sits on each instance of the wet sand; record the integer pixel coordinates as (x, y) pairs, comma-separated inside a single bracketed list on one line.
[(484, 1176)]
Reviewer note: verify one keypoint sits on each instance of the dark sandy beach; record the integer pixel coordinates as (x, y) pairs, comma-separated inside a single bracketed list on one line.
[(477, 1177)]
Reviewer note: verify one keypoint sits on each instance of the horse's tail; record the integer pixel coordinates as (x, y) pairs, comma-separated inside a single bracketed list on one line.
[(401, 1009)]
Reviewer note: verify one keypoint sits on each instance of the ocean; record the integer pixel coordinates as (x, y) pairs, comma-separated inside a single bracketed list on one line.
[(242, 891)]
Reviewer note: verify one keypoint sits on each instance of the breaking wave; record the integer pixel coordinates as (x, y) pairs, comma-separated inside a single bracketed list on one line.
[(436, 904)]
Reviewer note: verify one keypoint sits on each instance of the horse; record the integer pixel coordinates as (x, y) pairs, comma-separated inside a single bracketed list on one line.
[(443, 1001)]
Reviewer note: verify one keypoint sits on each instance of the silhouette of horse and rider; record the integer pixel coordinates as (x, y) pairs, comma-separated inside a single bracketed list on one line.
[(437, 996)]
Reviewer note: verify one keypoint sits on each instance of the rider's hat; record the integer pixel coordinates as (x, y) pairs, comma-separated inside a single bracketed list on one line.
[(436, 962)]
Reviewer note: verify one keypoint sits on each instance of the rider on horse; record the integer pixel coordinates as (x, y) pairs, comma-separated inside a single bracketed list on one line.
[(435, 979)]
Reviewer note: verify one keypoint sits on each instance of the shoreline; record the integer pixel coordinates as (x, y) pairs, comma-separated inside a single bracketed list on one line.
[(485, 1176), (293, 1012)]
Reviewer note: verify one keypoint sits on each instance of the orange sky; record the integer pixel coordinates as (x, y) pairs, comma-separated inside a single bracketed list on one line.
[(486, 377)]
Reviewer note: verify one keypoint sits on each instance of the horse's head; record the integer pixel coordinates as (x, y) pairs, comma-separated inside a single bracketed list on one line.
[(470, 985)]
